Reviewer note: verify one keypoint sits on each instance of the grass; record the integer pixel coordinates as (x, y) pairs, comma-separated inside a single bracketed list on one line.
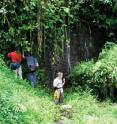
[(87, 110), (21, 104)]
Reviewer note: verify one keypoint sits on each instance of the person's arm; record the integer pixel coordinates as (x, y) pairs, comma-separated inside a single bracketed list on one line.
[(54, 83), (36, 63), (63, 81), (9, 55), (23, 56)]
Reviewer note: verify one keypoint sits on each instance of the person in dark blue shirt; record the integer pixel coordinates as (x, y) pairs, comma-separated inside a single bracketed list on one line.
[(32, 65)]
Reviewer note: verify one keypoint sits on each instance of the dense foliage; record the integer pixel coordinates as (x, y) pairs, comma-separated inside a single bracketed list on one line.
[(45, 27), (29, 21), (101, 75)]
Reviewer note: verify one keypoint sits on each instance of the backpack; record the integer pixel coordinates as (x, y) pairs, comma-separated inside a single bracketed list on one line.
[(31, 63), (56, 95), (32, 68)]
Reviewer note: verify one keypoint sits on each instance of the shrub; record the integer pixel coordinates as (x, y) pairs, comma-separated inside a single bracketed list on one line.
[(101, 76), (81, 73)]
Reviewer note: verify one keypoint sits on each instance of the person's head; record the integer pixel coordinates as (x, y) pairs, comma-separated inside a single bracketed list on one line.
[(60, 75), (29, 53), (18, 48)]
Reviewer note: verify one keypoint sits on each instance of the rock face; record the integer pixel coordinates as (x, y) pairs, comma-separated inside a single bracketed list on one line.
[(66, 107), (60, 122), (85, 43), (66, 111)]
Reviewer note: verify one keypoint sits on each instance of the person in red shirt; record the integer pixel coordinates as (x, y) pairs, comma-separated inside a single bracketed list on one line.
[(16, 59)]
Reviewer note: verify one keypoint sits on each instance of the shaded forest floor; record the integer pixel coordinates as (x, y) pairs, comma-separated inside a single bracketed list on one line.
[(21, 104)]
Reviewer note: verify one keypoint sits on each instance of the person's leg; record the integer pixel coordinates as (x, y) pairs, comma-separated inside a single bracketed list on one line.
[(20, 72), (61, 96), (34, 78), (56, 101), (31, 78)]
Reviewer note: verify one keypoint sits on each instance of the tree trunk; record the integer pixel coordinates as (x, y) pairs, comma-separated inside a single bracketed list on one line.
[(48, 61), (39, 30)]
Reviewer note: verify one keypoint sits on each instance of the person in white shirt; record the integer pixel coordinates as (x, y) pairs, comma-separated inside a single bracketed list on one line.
[(58, 84)]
